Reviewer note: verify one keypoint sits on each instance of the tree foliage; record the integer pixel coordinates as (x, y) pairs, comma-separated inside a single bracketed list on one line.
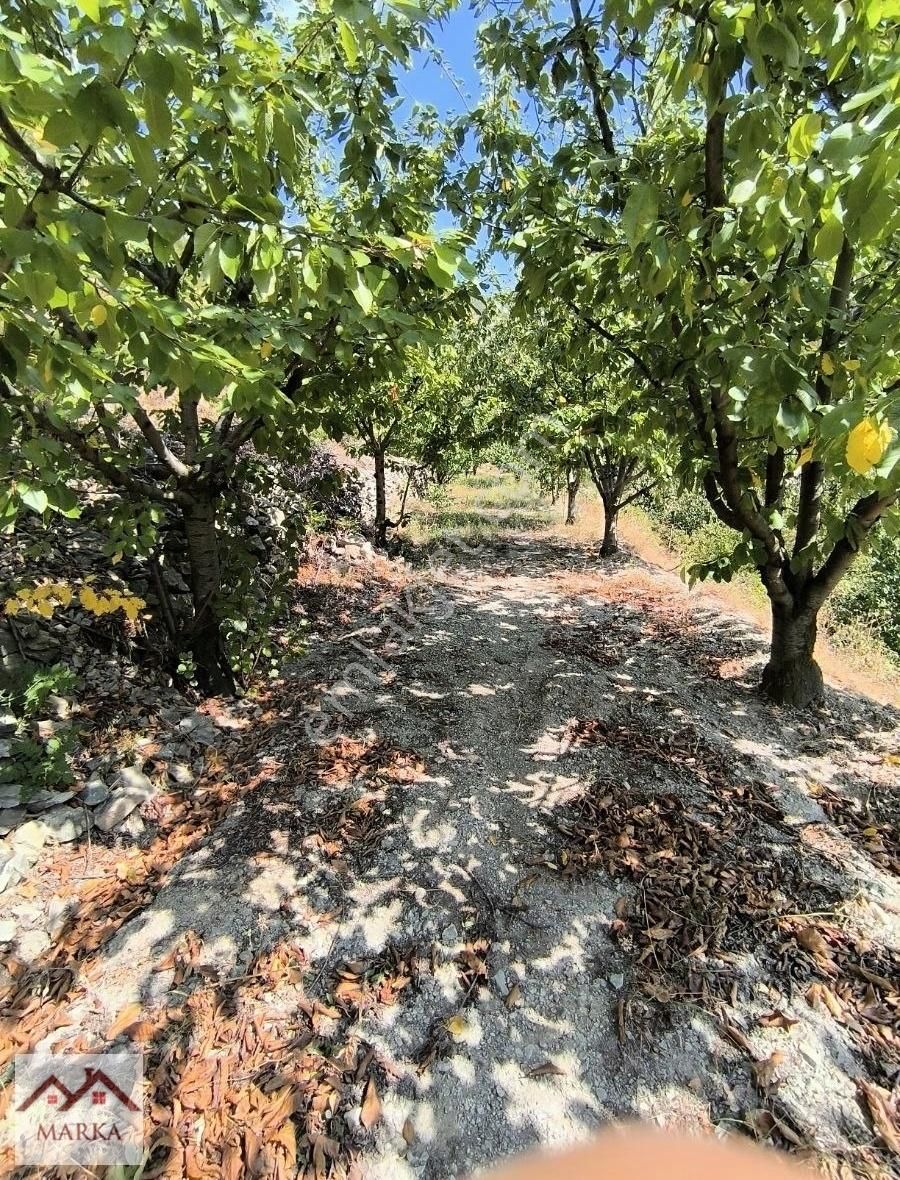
[(219, 209), (718, 202)]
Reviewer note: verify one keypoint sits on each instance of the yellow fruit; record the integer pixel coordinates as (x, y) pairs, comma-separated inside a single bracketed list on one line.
[(866, 444), (98, 315), (827, 364)]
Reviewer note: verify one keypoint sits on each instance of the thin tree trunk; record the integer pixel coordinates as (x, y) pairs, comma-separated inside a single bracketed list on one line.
[(610, 519), (380, 499), (572, 482), (214, 674), (792, 676)]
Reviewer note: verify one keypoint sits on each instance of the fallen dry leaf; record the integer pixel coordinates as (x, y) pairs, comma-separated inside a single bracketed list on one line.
[(884, 1112), (811, 940), (409, 1132), (547, 1070), (778, 1019), (820, 993), (128, 1016), (513, 996), (764, 1071), (370, 1111)]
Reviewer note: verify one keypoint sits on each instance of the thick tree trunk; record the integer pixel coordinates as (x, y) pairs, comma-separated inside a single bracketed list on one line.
[(572, 482), (610, 539), (380, 500), (214, 674), (792, 676)]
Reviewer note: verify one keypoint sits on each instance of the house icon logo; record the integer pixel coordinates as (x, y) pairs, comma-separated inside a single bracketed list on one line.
[(78, 1108), (98, 1084)]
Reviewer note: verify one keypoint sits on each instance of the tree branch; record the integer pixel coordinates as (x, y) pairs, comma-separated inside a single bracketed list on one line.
[(866, 513), (809, 508), (591, 67), (157, 443)]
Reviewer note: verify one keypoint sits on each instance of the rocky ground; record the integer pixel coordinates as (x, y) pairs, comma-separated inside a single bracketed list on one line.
[(511, 850)]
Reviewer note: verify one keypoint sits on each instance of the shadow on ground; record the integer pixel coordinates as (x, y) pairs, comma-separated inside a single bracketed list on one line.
[(396, 893)]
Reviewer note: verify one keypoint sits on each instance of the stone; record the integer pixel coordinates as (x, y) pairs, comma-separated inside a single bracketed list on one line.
[(181, 774), (58, 707), (10, 795), (58, 911), (29, 839), (7, 930), (8, 724), (450, 934), (5, 748), (95, 792), (200, 729), (501, 981), (9, 870), (32, 944), (44, 800), (131, 778), (10, 818), (616, 980), (132, 826), (120, 805), (46, 729), (64, 824)]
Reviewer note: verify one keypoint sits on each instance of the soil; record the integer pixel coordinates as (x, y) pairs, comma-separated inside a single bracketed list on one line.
[(543, 859)]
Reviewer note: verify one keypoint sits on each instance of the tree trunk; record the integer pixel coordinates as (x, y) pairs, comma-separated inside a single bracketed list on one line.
[(572, 482), (792, 676), (380, 500), (214, 674), (610, 540)]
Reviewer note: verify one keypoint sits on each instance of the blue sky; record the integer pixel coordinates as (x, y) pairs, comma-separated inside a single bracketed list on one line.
[(447, 79), (454, 85)]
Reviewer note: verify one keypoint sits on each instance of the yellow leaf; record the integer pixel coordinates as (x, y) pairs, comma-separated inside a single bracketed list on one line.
[(866, 444), (889, 759), (851, 365), (827, 364), (265, 349), (98, 315), (805, 455), (687, 198), (457, 1026)]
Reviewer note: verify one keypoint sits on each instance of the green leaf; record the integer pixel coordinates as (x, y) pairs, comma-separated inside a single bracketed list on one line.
[(437, 272), (829, 239), (743, 192), (33, 497), (362, 294), (230, 257), (349, 44), (89, 8), (802, 136), (639, 214)]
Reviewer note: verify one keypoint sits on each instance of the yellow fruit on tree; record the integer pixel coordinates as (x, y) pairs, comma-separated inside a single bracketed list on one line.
[(866, 444), (98, 315)]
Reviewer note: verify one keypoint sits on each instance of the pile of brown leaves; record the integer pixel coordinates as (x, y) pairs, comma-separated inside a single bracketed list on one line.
[(252, 1077), (879, 835), (715, 884), (362, 985)]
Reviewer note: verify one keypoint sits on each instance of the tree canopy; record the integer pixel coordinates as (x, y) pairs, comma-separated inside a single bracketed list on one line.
[(713, 191)]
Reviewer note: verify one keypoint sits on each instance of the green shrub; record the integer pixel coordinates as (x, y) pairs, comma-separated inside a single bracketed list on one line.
[(870, 593), (35, 763)]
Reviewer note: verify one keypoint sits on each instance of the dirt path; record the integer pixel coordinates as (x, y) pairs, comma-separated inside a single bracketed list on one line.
[(553, 863)]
